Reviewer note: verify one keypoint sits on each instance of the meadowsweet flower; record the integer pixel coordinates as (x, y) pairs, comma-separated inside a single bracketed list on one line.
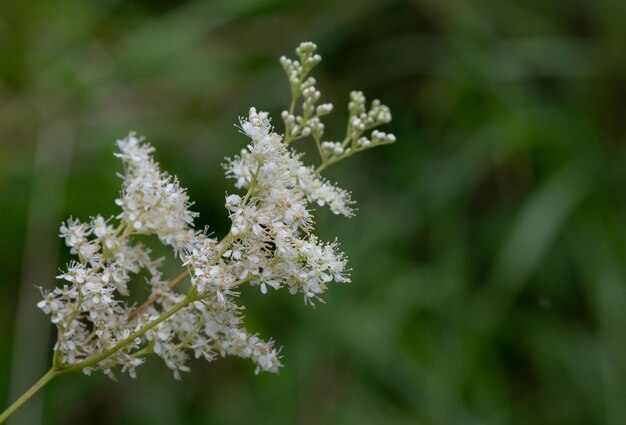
[(152, 202), (270, 245)]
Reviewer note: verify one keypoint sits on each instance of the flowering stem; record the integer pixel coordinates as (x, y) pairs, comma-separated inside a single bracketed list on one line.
[(190, 335), (60, 370), (148, 349), (226, 240), (349, 153), (171, 284), (28, 394), (57, 369), (102, 356), (318, 143)]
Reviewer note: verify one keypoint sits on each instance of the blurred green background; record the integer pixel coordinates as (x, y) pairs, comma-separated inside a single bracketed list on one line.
[(489, 249)]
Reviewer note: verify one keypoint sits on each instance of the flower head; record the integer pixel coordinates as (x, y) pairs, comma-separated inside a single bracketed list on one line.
[(270, 245)]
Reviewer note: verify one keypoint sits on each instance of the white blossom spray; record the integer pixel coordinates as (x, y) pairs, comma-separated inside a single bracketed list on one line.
[(270, 245)]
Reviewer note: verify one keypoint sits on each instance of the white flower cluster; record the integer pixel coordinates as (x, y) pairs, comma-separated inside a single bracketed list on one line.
[(152, 202), (275, 246), (308, 123), (270, 245)]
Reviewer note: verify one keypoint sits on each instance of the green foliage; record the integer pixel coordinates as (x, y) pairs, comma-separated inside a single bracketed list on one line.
[(489, 248)]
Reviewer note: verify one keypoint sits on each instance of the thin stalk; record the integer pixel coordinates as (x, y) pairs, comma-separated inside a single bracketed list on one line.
[(318, 143), (154, 298), (102, 356), (288, 138), (148, 349), (56, 371), (348, 154), (51, 374)]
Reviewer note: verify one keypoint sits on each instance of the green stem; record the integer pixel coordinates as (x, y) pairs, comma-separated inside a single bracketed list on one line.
[(55, 371), (153, 298), (247, 196), (148, 349), (102, 356), (28, 394), (318, 143), (292, 105), (190, 335), (351, 152)]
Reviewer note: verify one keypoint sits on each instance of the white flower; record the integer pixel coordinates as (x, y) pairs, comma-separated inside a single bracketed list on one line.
[(271, 244), (152, 202)]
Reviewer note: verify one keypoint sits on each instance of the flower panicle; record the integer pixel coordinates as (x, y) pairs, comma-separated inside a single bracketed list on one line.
[(271, 244)]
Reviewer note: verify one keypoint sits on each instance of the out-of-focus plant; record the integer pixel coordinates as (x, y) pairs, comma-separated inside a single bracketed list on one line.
[(270, 243)]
